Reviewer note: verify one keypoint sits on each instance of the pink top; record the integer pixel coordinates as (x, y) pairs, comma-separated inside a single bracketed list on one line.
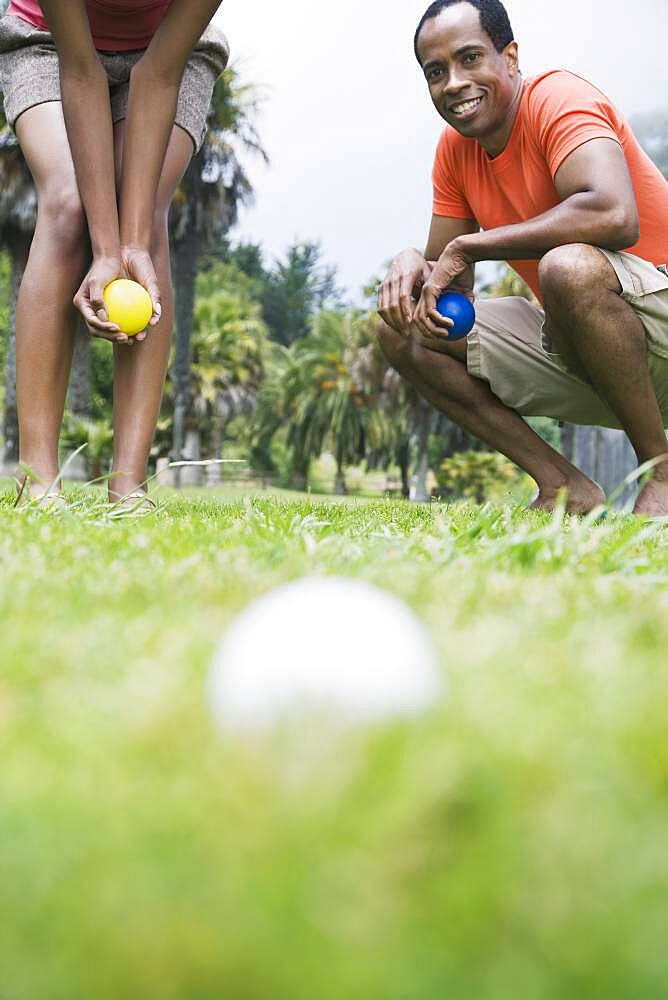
[(116, 25)]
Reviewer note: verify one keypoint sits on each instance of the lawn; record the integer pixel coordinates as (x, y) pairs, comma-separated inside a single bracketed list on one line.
[(508, 845)]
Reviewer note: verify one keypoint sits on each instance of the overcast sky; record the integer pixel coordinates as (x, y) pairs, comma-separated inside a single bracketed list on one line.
[(348, 123)]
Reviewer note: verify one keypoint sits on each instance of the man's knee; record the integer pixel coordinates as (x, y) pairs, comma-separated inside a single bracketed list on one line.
[(403, 350), (572, 270), (396, 348)]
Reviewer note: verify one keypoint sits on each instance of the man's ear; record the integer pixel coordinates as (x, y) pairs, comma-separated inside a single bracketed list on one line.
[(512, 56)]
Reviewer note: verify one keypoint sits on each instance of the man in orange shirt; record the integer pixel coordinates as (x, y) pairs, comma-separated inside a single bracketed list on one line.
[(547, 175)]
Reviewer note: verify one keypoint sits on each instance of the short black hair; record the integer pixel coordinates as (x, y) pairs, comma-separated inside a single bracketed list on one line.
[(493, 18)]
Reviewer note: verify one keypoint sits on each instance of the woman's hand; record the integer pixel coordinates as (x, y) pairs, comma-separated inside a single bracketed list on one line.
[(132, 263), (138, 266), (89, 299)]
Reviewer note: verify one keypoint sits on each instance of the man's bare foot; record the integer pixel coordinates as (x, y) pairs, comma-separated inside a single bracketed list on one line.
[(653, 499), (582, 496)]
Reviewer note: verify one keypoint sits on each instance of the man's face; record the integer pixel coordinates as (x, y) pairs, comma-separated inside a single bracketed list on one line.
[(471, 84)]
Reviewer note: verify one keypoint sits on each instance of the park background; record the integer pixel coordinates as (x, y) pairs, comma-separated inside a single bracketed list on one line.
[(316, 171), (507, 843)]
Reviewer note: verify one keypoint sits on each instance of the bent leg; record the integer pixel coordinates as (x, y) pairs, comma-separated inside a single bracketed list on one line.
[(468, 401), (46, 320), (600, 335), (139, 373)]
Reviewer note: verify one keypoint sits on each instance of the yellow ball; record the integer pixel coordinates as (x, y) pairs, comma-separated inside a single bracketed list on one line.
[(128, 305)]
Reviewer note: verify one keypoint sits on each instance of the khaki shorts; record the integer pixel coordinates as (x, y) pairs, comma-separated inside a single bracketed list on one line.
[(506, 348), (29, 74)]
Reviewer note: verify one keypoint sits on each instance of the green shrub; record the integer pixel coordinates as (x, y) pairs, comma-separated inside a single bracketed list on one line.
[(97, 437), (481, 476)]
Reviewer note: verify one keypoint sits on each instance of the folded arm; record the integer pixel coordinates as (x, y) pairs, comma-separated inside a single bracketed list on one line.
[(597, 206)]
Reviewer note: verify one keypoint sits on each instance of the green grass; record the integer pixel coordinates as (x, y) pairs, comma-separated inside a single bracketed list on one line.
[(510, 845)]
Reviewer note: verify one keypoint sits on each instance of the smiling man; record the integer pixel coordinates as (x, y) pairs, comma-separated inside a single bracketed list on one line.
[(545, 174)]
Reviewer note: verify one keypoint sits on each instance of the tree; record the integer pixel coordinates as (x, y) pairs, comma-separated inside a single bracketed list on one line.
[(206, 206), (229, 346), (420, 435), (18, 212), (330, 400), (508, 282), (272, 416), (296, 289)]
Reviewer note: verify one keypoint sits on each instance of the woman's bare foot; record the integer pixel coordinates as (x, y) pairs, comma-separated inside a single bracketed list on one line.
[(582, 496), (136, 502), (36, 495)]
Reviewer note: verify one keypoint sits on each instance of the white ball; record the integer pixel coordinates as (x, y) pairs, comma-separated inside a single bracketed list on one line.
[(331, 645)]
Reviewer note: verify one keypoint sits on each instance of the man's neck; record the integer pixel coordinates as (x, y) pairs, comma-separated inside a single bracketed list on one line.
[(496, 143)]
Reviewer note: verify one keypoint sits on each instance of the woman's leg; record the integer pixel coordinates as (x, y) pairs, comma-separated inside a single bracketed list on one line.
[(139, 373), (45, 317)]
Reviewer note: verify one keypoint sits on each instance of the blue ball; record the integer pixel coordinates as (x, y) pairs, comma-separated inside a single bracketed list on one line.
[(455, 306)]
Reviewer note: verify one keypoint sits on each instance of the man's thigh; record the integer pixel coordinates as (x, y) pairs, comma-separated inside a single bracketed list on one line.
[(505, 349), (645, 288)]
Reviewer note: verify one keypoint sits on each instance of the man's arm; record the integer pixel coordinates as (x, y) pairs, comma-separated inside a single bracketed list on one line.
[(154, 91), (87, 112), (411, 269), (597, 207)]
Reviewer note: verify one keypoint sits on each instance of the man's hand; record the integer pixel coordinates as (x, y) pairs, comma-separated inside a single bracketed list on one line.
[(396, 297), (138, 266), (452, 272)]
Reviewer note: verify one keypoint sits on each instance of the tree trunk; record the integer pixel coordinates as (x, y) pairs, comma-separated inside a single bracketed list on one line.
[(186, 253), (403, 459), (604, 455), (19, 248), (423, 428), (213, 472), (79, 402), (79, 396), (192, 475), (299, 478), (340, 479)]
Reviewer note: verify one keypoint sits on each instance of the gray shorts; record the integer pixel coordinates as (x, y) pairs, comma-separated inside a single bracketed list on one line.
[(506, 348), (29, 74)]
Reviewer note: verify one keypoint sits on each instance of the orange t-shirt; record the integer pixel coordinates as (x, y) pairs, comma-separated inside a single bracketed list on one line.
[(558, 113), (116, 25)]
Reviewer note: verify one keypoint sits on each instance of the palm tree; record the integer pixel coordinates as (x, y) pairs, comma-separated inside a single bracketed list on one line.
[(206, 206), (330, 396), (230, 343), (508, 282), (272, 414), (412, 420), (18, 212)]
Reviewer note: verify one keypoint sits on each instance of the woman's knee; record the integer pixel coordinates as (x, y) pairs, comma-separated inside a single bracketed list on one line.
[(61, 212), (160, 230)]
